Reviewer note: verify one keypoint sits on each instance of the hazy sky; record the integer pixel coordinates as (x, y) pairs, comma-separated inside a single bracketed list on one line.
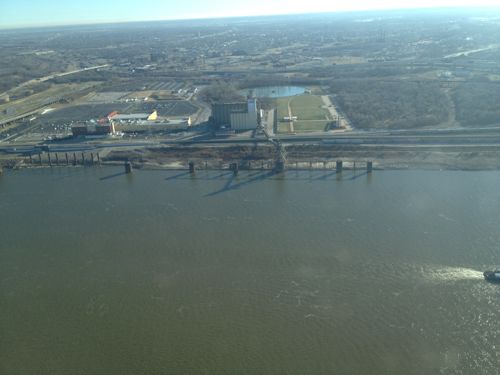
[(15, 13)]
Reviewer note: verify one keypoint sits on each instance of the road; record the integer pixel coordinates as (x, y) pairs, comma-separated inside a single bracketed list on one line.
[(38, 80), (448, 140), (402, 138), (290, 116), (52, 76), (268, 122), (342, 122), (203, 114)]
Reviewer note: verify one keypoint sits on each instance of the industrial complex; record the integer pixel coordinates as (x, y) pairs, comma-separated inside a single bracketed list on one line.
[(237, 116), (179, 93), (116, 124)]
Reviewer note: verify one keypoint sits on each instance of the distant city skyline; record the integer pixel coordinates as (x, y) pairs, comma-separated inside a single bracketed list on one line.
[(32, 13)]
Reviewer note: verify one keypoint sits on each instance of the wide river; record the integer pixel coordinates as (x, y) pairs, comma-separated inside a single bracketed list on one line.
[(311, 273)]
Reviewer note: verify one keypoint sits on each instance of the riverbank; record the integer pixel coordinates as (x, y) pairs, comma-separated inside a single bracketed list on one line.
[(312, 156), (298, 157)]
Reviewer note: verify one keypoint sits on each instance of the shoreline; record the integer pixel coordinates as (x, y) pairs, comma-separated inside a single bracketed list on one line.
[(299, 157), (348, 165), (315, 157)]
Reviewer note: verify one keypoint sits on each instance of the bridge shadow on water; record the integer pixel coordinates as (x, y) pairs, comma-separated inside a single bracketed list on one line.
[(221, 175), (198, 175), (250, 179), (356, 176), (177, 176), (340, 176), (325, 176), (112, 176), (234, 182)]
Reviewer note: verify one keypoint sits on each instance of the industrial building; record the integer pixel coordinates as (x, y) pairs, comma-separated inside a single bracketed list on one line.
[(145, 121), (221, 112), (133, 117), (237, 116), (93, 130), (115, 124)]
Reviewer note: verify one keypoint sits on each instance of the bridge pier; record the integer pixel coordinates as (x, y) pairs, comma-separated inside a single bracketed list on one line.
[(280, 166), (369, 166), (128, 167), (235, 168), (191, 167), (339, 166)]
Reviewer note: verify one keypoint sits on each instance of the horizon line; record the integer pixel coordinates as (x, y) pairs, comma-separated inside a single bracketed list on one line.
[(201, 18)]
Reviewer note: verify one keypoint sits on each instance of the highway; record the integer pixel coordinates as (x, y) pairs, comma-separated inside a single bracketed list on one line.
[(72, 147), (446, 138), (54, 75), (28, 114), (485, 136)]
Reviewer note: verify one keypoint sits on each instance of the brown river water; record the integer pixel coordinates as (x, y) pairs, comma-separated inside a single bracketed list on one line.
[(306, 273)]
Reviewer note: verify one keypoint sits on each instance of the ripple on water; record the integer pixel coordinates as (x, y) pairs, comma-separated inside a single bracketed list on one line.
[(392, 302)]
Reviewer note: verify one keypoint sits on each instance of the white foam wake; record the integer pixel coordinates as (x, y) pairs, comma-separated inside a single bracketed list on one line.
[(451, 274)]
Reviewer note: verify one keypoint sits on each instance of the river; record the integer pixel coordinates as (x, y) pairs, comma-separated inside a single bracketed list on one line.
[(310, 273)]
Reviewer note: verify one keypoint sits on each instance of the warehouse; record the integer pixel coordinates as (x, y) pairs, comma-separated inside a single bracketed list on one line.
[(133, 117), (93, 130), (238, 116)]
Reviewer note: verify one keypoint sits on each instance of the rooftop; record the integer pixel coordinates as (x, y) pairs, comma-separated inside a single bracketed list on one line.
[(132, 116)]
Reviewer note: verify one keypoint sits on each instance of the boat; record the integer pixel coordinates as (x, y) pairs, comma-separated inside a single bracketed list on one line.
[(492, 276)]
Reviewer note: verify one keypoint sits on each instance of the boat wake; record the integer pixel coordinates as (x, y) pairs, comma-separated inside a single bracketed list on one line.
[(451, 274)]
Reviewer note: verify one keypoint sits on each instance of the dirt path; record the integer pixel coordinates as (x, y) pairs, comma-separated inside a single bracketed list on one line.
[(343, 122), (451, 122), (292, 130)]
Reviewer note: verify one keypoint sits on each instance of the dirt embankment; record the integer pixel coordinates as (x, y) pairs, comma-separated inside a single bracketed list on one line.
[(301, 156), (298, 156)]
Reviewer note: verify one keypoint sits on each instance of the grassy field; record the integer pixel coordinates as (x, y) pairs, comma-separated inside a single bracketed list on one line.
[(308, 107), (310, 126), (282, 107), (284, 127), (309, 111)]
